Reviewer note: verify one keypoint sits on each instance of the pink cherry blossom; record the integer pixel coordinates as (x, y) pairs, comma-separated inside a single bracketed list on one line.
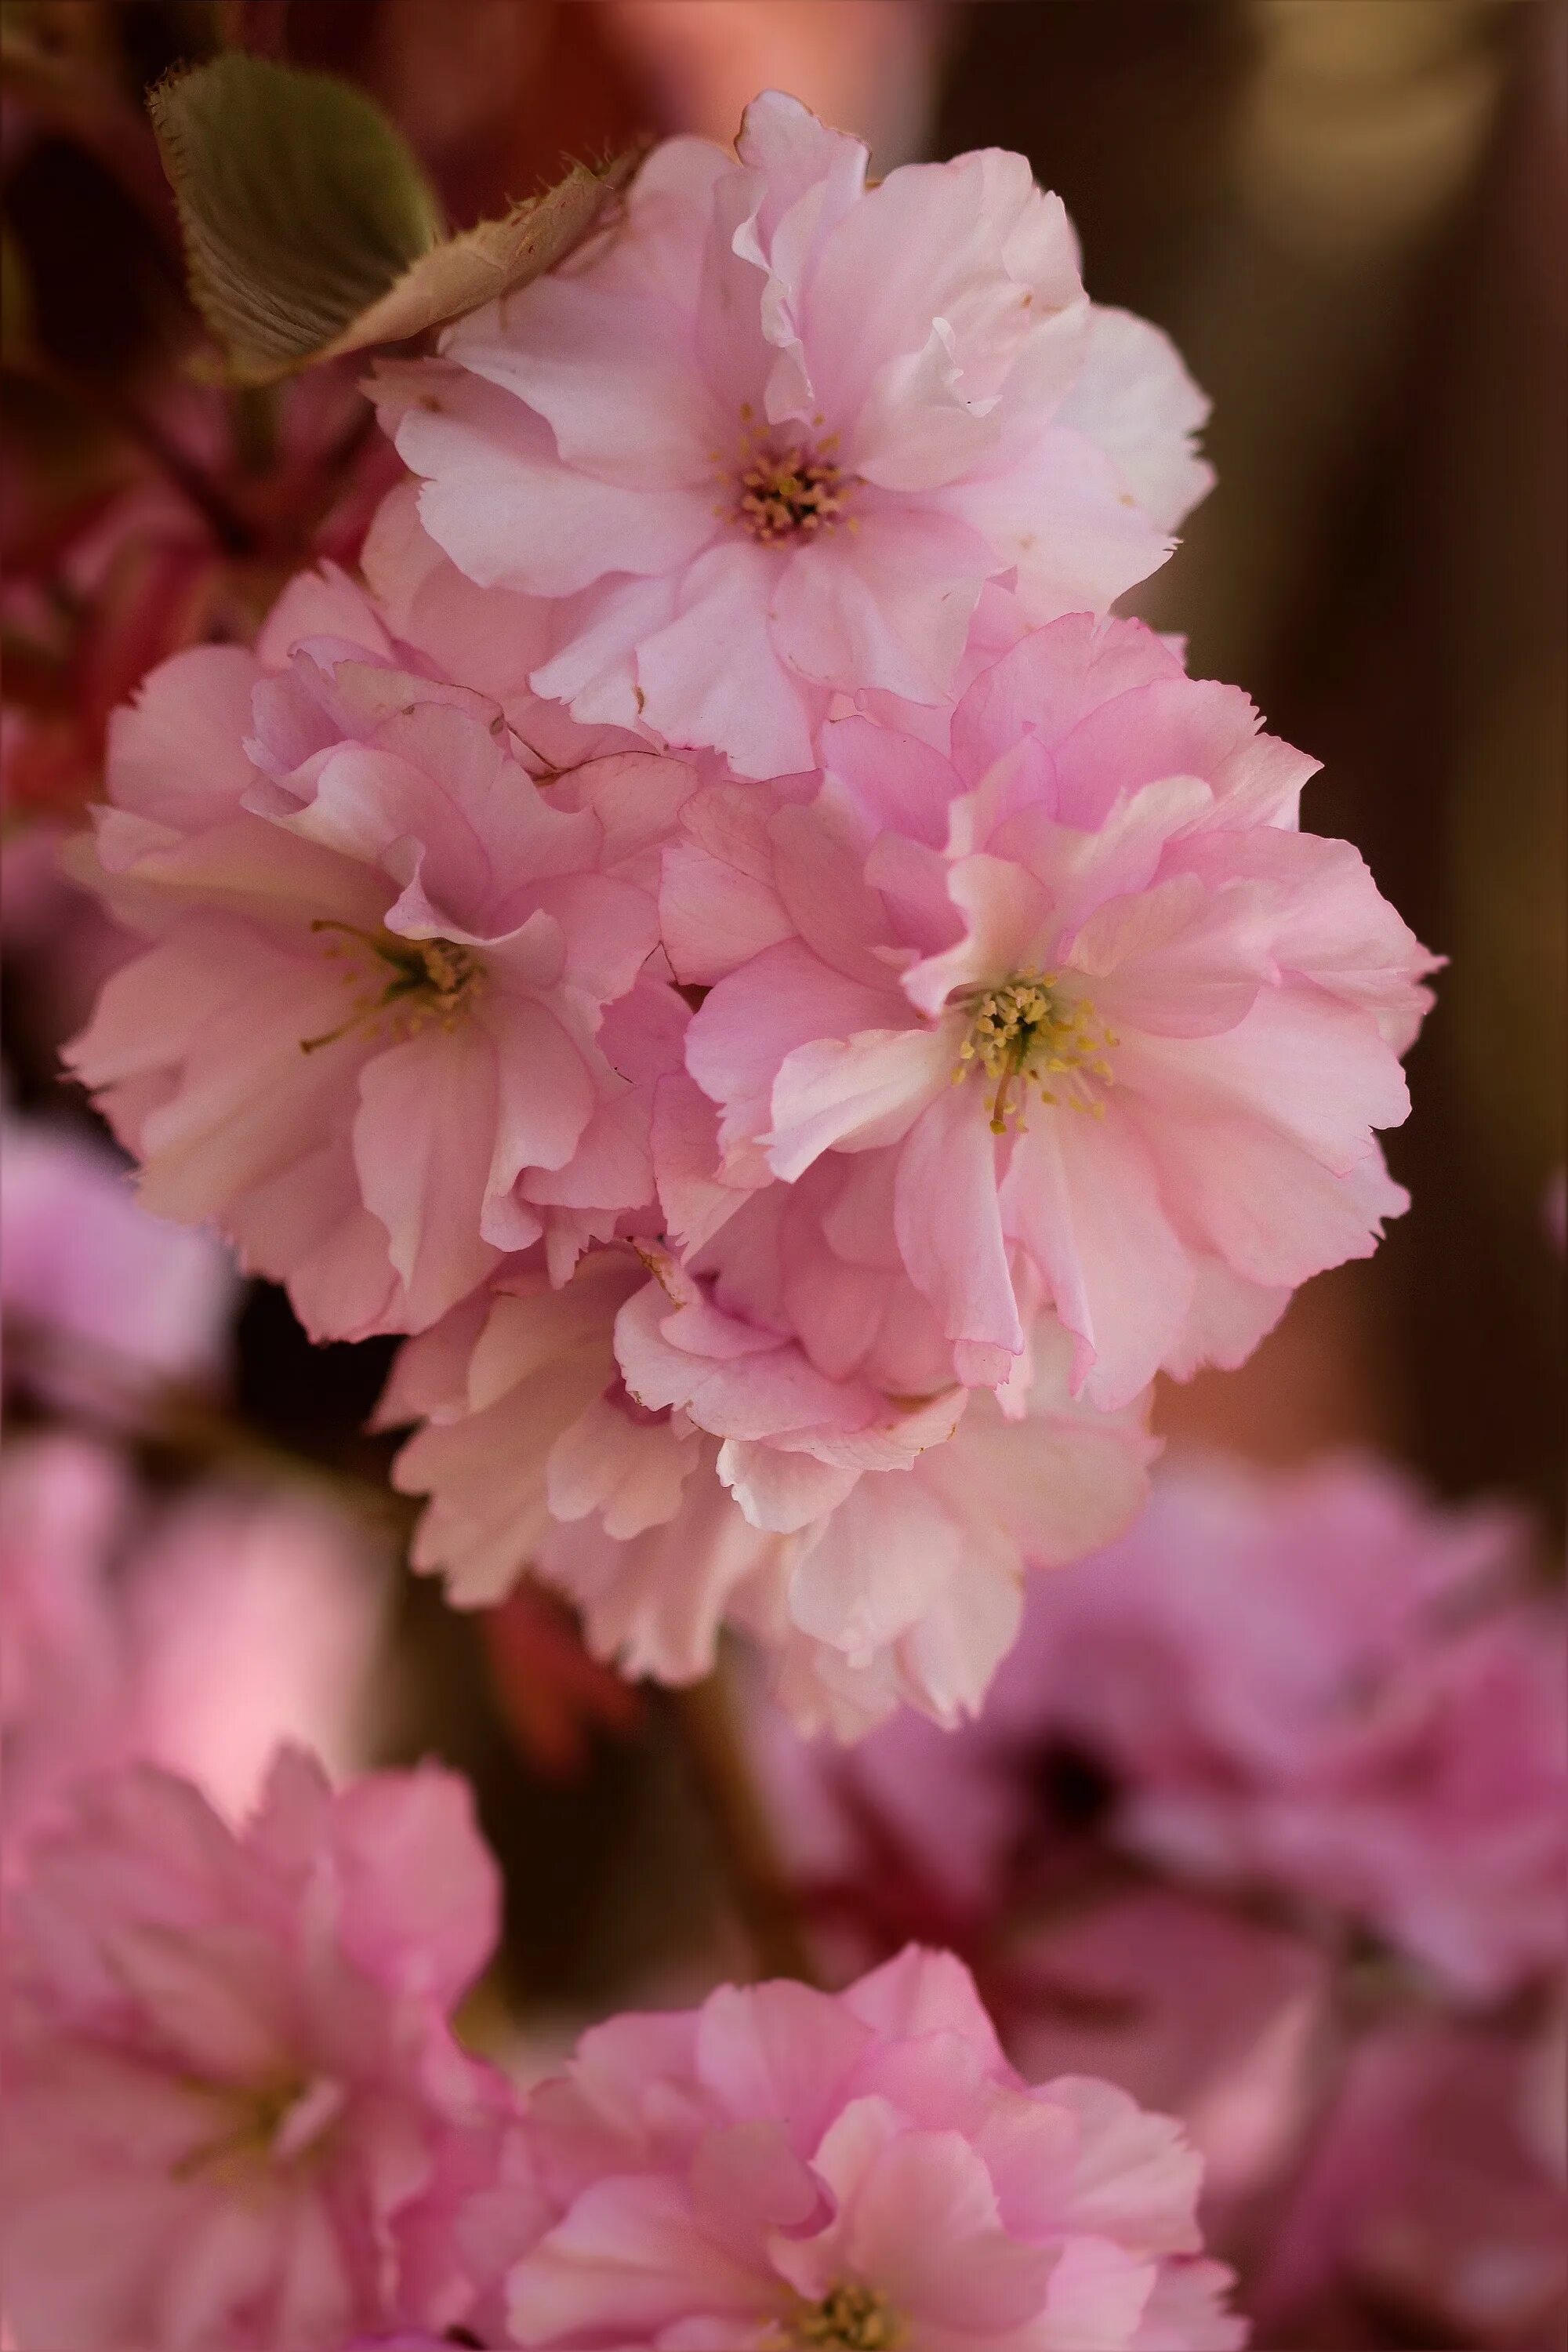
[(1302, 1684), (670, 1462), (1430, 2196), (788, 2168), (96, 1294), (1128, 1032), (64, 1502), (774, 438), (114, 1605), (396, 1022), (237, 2117)]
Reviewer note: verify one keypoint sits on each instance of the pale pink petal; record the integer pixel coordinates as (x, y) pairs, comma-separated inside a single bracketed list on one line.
[(885, 608), (717, 674), (422, 1142), (948, 1223), (1136, 400), (499, 502), (854, 1094), (1086, 1199)]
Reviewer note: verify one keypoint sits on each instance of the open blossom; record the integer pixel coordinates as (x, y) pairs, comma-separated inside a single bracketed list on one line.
[(1126, 1032), (1298, 1684), (772, 439), (783, 2168), (396, 1022), (236, 2115), (671, 1461)]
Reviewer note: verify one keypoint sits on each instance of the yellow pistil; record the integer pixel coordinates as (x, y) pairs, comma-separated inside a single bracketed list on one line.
[(432, 980), (847, 2319), (1029, 1031)]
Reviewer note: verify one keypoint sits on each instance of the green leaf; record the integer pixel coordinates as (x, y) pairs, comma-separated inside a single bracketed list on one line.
[(301, 204)]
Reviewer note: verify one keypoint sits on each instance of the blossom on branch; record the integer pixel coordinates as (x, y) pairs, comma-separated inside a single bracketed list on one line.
[(394, 1020), (772, 440), (1125, 1031)]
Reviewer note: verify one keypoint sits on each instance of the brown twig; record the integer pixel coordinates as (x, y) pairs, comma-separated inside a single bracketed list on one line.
[(743, 1837)]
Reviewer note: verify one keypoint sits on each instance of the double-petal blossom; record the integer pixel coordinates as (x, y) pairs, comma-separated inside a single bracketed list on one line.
[(236, 2115), (783, 2168), (772, 438), (396, 1022), (1128, 1032), (672, 1461)]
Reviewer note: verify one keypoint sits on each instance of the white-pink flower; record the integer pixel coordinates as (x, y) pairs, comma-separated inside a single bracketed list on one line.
[(773, 438), (237, 2117), (783, 2168), (396, 1022), (672, 1461), (1312, 1684), (1126, 1032)]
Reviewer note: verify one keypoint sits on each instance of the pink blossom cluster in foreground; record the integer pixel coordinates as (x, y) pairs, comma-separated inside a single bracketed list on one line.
[(238, 2119), (720, 938)]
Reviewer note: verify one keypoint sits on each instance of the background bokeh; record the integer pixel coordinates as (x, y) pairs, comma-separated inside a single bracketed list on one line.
[(1350, 215)]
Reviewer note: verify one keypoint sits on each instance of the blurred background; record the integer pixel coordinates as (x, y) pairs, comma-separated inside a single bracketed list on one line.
[(1350, 215)]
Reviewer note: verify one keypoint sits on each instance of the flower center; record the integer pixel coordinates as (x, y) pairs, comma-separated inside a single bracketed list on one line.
[(1027, 1031), (847, 2319), (280, 2122), (431, 980), (786, 486)]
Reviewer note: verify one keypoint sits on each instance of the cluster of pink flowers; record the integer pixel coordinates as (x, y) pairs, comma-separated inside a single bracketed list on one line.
[(238, 2118), (798, 1013)]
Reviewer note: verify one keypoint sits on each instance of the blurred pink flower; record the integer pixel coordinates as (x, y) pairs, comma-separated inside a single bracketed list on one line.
[(783, 2167), (591, 1433), (64, 1710), (237, 2117), (1195, 2010), (872, 62), (1127, 1030), (774, 438), (252, 1618), (1429, 2204), (1313, 1684), (392, 1023), (197, 1634), (107, 1297)]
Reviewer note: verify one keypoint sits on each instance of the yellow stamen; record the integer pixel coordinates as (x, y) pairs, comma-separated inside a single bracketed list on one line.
[(1026, 1029), (432, 980), (847, 2319)]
